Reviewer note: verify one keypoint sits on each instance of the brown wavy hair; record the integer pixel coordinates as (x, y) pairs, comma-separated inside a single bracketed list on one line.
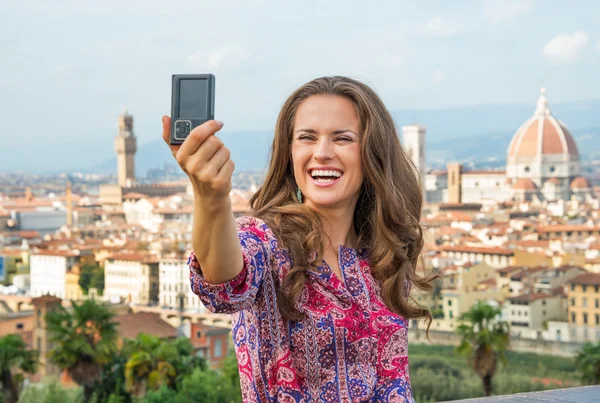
[(387, 213)]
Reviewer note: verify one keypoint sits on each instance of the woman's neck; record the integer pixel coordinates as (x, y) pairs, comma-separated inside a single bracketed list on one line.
[(338, 227)]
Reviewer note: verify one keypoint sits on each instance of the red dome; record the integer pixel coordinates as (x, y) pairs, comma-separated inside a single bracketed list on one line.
[(542, 134), (524, 184), (580, 183)]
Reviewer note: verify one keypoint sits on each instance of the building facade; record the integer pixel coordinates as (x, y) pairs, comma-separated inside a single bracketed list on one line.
[(584, 307), (174, 284), (131, 278)]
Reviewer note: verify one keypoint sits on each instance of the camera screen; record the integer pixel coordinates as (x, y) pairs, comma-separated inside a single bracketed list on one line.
[(193, 96)]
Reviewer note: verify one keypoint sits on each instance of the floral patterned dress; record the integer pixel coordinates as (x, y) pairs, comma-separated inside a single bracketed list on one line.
[(349, 348)]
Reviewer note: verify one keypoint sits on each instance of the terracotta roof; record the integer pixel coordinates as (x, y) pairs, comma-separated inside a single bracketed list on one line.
[(525, 184), (489, 281), (485, 251), (45, 299), (533, 244), (542, 127), (132, 324), (567, 228), (509, 269), (22, 234), (530, 297), (580, 183), (135, 257), (55, 252), (554, 180), (11, 252), (587, 279)]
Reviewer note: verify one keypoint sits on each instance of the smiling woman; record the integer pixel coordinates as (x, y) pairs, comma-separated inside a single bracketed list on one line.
[(318, 278)]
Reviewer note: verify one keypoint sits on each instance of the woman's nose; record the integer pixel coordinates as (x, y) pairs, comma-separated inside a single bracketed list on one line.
[(324, 150)]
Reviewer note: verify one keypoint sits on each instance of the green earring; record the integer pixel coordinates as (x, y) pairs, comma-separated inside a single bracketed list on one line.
[(299, 195)]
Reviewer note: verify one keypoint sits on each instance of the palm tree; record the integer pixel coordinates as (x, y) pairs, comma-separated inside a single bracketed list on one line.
[(151, 364), (485, 338), (15, 355), (588, 362), (84, 339)]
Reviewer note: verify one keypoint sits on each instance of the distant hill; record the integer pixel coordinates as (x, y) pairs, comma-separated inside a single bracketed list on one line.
[(471, 133)]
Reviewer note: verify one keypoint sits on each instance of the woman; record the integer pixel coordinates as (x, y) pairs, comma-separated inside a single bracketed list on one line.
[(318, 279)]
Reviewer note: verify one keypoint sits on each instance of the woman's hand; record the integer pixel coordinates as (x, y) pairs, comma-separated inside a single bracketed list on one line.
[(204, 159)]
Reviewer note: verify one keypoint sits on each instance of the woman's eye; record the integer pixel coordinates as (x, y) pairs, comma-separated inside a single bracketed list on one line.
[(305, 137), (343, 138)]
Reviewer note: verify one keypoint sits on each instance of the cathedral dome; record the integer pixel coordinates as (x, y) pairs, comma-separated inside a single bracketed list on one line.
[(525, 184), (542, 135), (580, 183)]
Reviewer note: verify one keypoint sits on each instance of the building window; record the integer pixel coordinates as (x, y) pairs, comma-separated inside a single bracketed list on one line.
[(572, 287), (39, 344), (526, 169), (596, 289), (449, 302), (572, 301), (584, 302), (585, 318), (544, 313), (198, 334), (451, 314), (572, 317), (552, 169), (597, 319), (544, 302), (218, 347), (19, 326), (584, 287), (597, 303), (512, 312)]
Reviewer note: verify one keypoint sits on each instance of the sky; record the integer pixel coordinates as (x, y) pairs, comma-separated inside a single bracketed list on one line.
[(68, 68)]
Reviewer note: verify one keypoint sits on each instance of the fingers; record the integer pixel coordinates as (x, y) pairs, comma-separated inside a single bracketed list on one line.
[(198, 136), (224, 175), (166, 134)]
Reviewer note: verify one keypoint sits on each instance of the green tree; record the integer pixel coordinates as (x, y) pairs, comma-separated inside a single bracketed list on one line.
[(151, 364), (588, 362), (84, 341), (15, 356), (91, 276), (484, 340)]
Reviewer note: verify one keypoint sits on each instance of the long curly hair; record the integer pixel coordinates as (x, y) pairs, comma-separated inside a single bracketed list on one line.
[(387, 213)]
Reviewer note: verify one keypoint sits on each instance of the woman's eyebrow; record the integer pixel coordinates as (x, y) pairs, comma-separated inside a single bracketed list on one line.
[(312, 131)]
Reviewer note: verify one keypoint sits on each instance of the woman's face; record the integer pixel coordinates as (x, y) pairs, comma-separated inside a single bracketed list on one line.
[(326, 152)]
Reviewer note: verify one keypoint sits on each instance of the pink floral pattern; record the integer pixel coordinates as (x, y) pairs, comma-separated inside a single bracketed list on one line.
[(349, 348)]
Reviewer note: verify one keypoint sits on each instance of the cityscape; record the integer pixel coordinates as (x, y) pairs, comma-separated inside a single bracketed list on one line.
[(95, 297)]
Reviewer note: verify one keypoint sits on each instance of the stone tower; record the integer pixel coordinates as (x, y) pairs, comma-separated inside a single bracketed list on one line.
[(43, 305), (125, 146), (414, 144), (454, 183)]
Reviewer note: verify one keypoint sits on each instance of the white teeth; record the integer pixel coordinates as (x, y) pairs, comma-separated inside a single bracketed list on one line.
[(319, 172)]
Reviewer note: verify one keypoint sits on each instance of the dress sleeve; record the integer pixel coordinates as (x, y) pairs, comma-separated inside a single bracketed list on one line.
[(257, 242)]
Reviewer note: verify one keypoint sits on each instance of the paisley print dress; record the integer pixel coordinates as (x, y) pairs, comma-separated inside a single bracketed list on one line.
[(349, 348)]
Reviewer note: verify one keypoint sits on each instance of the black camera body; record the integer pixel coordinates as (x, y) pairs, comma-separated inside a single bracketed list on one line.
[(192, 103)]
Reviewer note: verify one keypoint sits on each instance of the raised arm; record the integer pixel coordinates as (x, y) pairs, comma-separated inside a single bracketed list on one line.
[(206, 161)]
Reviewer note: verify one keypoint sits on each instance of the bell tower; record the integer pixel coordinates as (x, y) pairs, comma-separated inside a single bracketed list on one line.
[(125, 147)]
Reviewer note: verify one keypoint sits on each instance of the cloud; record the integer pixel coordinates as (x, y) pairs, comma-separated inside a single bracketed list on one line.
[(598, 45), (438, 76), (497, 11), (438, 26), (565, 48), (392, 60), (227, 56)]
